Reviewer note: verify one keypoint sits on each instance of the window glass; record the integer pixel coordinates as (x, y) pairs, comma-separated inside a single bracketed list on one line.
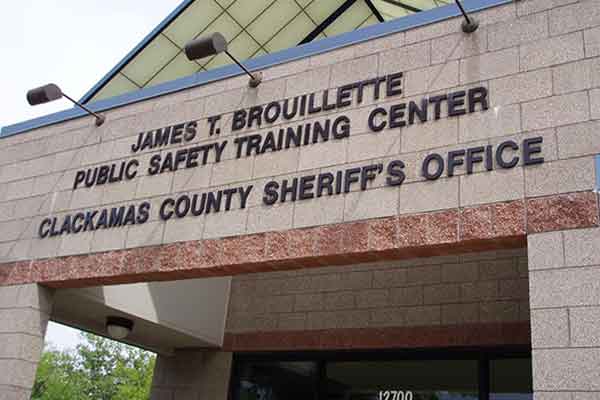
[(320, 10), (277, 381), (273, 20), (192, 21), (244, 13), (511, 379), (117, 85), (299, 27), (350, 20), (178, 67), (252, 28), (243, 46), (424, 380), (150, 60)]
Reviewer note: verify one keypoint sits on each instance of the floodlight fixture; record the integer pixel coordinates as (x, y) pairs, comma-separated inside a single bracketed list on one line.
[(214, 44), (51, 92), (118, 327), (469, 25)]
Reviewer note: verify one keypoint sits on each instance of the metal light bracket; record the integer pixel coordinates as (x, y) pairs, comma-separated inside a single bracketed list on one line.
[(469, 25)]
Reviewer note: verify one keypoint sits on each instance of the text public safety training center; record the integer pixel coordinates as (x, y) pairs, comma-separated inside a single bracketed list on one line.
[(398, 210)]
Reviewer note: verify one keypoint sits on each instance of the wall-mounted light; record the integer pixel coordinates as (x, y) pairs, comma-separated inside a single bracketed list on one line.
[(51, 92), (469, 25), (211, 45), (118, 327)]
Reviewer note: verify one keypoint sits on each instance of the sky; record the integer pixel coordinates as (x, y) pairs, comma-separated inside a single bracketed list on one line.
[(72, 43)]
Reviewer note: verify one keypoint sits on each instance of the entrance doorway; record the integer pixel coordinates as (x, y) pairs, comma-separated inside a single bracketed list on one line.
[(426, 375)]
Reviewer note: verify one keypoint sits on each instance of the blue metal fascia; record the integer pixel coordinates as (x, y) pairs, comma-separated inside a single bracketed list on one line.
[(268, 60)]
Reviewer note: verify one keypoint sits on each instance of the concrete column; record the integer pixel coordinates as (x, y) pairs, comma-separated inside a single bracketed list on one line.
[(564, 279), (192, 375), (24, 315)]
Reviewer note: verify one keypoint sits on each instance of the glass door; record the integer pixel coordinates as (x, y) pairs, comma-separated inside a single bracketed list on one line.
[(510, 379), (276, 381), (360, 376), (403, 380)]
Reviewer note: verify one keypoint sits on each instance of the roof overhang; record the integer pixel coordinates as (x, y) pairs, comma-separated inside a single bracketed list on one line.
[(306, 50)]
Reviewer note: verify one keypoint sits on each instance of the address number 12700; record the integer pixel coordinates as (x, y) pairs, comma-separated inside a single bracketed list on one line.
[(395, 395)]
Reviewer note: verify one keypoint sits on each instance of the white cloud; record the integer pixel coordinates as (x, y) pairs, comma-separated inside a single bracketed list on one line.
[(72, 43), (62, 337)]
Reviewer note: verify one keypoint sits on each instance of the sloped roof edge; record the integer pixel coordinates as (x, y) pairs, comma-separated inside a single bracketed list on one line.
[(374, 31), (136, 50)]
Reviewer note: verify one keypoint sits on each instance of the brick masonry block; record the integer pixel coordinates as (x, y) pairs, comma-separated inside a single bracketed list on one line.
[(309, 81), (576, 210), (374, 203), (456, 46), (555, 111), (442, 294), (545, 250), (553, 369), (429, 196), (389, 278), (582, 247), (513, 289), (534, 6), (405, 58), (501, 121), (409, 236), (592, 42), (354, 70), (440, 227), (578, 140), (549, 328), (518, 31), (479, 291), (489, 65), (585, 324), (499, 311), (375, 298), (576, 76), (522, 87), (595, 103), (424, 315), (574, 17), (433, 78), (492, 187), (382, 337), (424, 275), (460, 313), (504, 268), (552, 51), (564, 287), (460, 272)]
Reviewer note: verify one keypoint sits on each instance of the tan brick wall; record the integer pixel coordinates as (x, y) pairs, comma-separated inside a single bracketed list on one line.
[(539, 60), (449, 290), (565, 313), (541, 73), (24, 314), (192, 374)]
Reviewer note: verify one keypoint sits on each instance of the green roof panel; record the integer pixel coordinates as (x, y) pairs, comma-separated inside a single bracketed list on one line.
[(252, 28)]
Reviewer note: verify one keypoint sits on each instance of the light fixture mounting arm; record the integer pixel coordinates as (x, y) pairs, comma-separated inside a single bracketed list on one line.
[(469, 25), (99, 118), (255, 79)]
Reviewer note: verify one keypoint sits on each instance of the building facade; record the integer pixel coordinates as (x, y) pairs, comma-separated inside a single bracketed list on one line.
[(401, 211)]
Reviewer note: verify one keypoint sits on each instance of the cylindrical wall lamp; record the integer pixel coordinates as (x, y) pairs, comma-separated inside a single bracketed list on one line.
[(211, 45), (51, 92)]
